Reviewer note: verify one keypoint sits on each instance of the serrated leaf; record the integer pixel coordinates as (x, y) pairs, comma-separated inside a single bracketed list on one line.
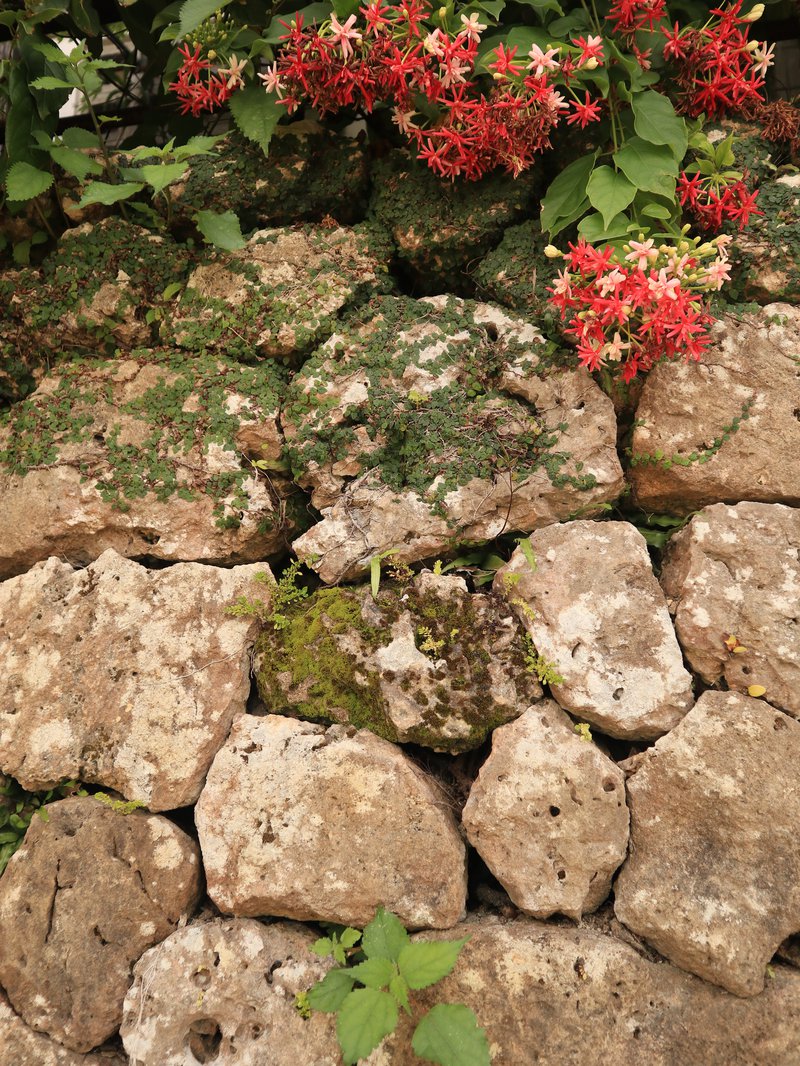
[(49, 51), (198, 145), (384, 937), (424, 962), (566, 194), (364, 1019), (350, 937), (101, 192), (323, 946), (256, 113), (51, 83), (25, 182), (194, 12), (75, 137), (220, 229), (449, 1034), (159, 175), (74, 162), (655, 120), (398, 987), (609, 192), (374, 973), (330, 993)]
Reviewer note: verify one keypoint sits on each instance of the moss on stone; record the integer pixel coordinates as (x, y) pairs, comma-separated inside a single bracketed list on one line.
[(765, 257)]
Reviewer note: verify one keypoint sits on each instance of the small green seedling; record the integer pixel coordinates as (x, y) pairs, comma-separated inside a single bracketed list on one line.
[(377, 970)]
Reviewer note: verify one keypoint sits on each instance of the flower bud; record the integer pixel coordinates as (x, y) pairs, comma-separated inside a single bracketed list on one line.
[(212, 54), (442, 12), (552, 252), (590, 64), (754, 14)]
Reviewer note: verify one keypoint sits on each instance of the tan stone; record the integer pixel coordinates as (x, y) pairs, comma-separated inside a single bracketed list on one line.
[(736, 410), (89, 890), (547, 815), (122, 676), (559, 996), (22, 1046), (321, 824), (224, 991), (735, 572), (594, 609), (713, 876)]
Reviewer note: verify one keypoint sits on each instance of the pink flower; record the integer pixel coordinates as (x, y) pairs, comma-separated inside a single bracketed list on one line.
[(542, 61), (472, 27), (717, 273), (272, 81), (591, 48), (344, 34), (642, 253)]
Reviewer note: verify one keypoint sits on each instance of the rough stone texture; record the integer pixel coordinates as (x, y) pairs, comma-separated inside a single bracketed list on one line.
[(492, 436), (593, 608), (516, 273), (576, 997), (120, 675), (765, 254), (735, 571), (440, 228), (223, 991), (279, 295), (425, 662), (22, 1046), (324, 824), (730, 419), (547, 815), (152, 456), (713, 873), (86, 894)]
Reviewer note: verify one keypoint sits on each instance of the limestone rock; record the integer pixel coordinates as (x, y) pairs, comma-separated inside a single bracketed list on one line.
[(224, 991), (152, 456), (764, 255), (424, 423), (735, 571), (22, 1046), (724, 426), (547, 815), (305, 822), (425, 662), (122, 676), (576, 997), (713, 873), (594, 609), (279, 295), (86, 894)]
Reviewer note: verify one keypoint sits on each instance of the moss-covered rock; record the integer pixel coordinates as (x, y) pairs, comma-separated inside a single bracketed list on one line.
[(517, 273), (753, 155), (438, 228), (424, 662), (279, 295), (765, 256)]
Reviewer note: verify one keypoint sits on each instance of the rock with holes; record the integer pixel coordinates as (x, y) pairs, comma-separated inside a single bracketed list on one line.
[(559, 996), (733, 574), (713, 877), (224, 992), (22, 1046), (279, 295), (595, 612), (319, 824), (424, 662), (425, 423), (547, 815), (153, 456), (722, 429), (122, 676), (89, 890)]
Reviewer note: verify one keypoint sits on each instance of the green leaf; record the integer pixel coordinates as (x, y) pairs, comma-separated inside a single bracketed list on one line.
[(648, 166), (527, 550), (398, 987), (566, 194), (315, 12), (24, 182), (374, 973), (49, 51), (609, 192), (52, 83), (75, 137), (323, 946), (449, 1034), (541, 7), (375, 575), (85, 17), (345, 8), (331, 992), (350, 937), (520, 37), (654, 210), (100, 192), (424, 962), (384, 937), (159, 175), (198, 145), (594, 229), (654, 120), (221, 229), (194, 12), (74, 162), (256, 113), (365, 1018)]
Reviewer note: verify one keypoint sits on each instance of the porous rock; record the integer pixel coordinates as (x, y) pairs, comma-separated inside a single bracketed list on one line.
[(734, 572), (224, 991), (122, 676), (279, 295), (575, 997), (547, 815), (89, 890), (305, 822), (22, 1046), (492, 436), (713, 872), (720, 430), (152, 456), (425, 661), (594, 609)]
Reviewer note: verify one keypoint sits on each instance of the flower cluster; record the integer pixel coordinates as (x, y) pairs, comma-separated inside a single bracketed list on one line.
[(633, 308), (201, 87), (394, 56), (717, 68), (631, 16), (712, 202)]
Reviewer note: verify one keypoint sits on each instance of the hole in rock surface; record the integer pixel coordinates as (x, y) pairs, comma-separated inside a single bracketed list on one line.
[(203, 1040)]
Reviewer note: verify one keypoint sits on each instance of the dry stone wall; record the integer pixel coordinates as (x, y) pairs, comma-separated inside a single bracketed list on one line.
[(537, 685)]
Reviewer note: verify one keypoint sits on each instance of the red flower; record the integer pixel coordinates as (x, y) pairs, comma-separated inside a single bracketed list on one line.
[(585, 113), (503, 64)]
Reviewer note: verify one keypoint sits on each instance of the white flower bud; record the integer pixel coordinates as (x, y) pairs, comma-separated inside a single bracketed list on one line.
[(552, 252), (754, 14)]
